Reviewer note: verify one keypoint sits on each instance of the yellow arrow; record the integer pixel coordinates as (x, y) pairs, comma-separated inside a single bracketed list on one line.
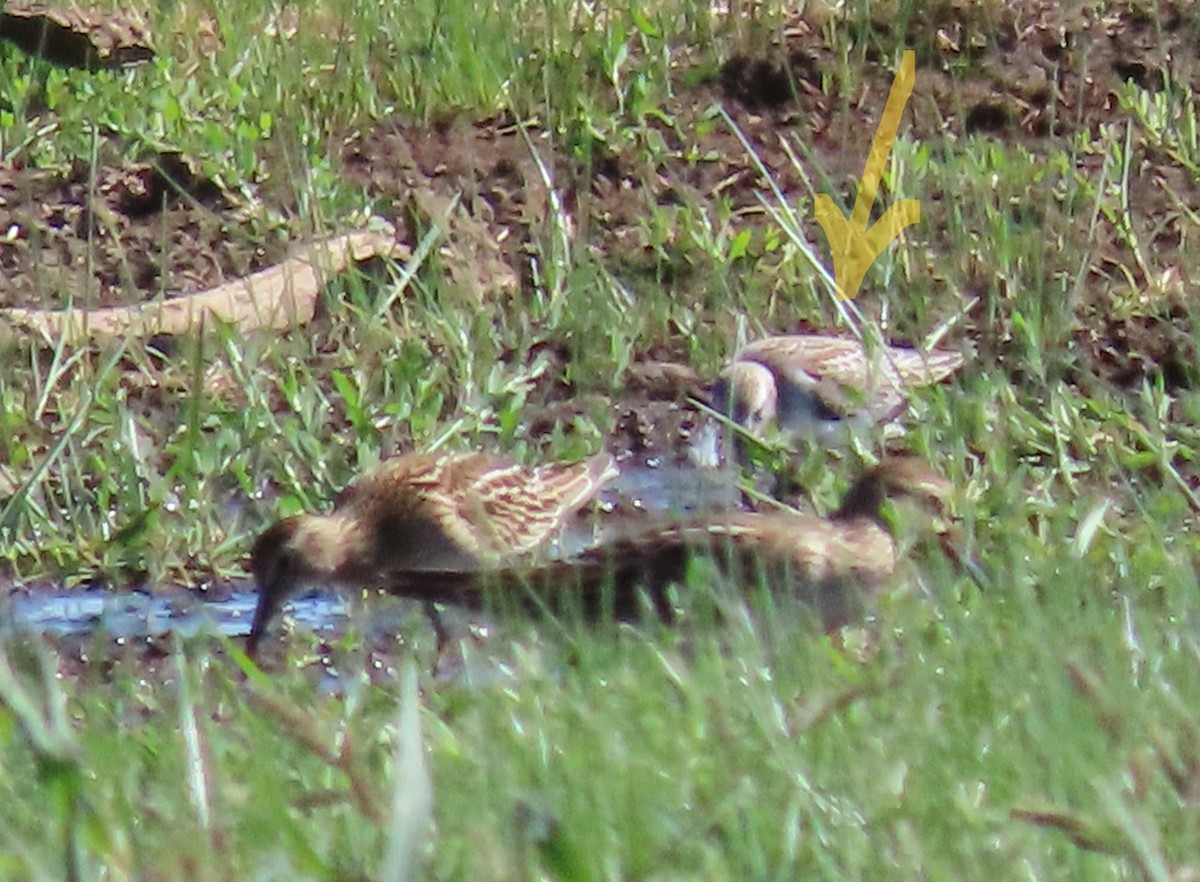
[(855, 245)]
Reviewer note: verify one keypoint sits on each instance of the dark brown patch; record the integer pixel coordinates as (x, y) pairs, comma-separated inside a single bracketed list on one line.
[(1128, 352), (73, 37), (989, 117), (119, 234), (757, 82)]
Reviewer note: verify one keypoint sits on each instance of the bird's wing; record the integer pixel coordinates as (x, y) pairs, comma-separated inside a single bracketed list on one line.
[(422, 496), (846, 374), (917, 368), (397, 477), (834, 369), (514, 510)]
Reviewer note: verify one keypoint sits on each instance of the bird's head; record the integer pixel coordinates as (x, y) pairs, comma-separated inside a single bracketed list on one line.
[(898, 476), (291, 554), (746, 393), (914, 478), (278, 568)]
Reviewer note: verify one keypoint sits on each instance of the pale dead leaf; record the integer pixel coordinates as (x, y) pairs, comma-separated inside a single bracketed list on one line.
[(279, 297)]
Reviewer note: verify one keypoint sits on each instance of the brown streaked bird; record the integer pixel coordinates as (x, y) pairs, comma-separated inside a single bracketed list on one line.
[(810, 384), (422, 515), (834, 564)]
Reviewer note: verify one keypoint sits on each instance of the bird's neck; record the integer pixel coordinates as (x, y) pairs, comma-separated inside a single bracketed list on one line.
[(864, 499), (333, 546)]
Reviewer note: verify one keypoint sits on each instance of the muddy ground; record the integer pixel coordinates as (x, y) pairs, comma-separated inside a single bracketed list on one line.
[(1030, 72)]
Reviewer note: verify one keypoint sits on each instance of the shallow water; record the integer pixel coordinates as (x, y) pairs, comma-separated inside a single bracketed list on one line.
[(645, 489), (675, 489), (131, 615)]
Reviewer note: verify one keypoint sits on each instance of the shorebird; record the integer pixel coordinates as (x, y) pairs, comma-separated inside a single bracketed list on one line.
[(810, 385), (835, 564), (422, 516)]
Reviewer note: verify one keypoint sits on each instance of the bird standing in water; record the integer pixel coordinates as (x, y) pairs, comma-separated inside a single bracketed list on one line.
[(811, 385), (834, 564), (422, 514)]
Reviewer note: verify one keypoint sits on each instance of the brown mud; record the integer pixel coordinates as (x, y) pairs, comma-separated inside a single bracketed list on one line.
[(1027, 72), (128, 234)]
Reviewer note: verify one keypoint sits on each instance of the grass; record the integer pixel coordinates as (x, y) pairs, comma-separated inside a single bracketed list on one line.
[(1042, 728)]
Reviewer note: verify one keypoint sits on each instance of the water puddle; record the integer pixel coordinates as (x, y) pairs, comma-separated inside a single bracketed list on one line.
[(138, 615), (674, 489), (644, 489)]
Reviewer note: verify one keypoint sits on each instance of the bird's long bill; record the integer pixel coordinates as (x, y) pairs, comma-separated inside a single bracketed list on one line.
[(270, 598), (955, 547)]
